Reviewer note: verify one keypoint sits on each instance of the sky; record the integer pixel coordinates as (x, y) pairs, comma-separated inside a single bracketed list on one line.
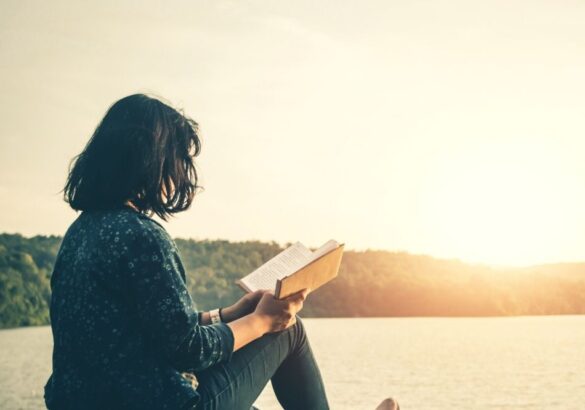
[(449, 128)]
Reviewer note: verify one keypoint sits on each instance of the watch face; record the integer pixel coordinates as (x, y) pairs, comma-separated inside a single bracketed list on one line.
[(215, 316)]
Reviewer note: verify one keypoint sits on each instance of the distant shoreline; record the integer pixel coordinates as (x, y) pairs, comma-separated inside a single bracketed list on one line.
[(373, 317), (370, 283)]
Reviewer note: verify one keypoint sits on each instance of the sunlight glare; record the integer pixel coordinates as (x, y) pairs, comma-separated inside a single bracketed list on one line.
[(499, 203)]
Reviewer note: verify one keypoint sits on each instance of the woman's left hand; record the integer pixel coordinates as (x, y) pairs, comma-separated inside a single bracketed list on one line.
[(242, 307)]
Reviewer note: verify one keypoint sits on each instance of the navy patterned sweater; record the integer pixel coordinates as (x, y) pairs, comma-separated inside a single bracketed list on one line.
[(125, 328)]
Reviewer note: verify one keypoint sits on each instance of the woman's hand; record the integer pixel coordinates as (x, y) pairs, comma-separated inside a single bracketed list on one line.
[(277, 314), (269, 315), (242, 307)]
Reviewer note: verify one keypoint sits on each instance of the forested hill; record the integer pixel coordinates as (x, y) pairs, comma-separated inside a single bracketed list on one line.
[(370, 283)]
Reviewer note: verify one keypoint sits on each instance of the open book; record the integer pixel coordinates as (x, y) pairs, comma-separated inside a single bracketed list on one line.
[(296, 268)]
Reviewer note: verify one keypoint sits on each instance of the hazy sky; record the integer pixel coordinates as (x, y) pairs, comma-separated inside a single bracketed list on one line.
[(452, 128)]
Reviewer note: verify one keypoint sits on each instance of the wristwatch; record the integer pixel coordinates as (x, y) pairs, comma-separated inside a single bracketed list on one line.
[(215, 317)]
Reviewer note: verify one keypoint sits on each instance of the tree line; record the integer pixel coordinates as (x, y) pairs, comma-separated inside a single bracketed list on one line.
[(370, 283)]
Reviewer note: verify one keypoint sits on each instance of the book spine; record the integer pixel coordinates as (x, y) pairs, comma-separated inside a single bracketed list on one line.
[(277, 289)]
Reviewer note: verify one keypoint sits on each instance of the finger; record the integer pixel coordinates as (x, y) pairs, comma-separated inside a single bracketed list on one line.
[(295, 304), (258, 294), (288, 323), (268, 292), (301, 294), (298, 306)]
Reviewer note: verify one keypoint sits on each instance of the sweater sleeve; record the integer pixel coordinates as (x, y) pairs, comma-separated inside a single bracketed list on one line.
[(165, 310)]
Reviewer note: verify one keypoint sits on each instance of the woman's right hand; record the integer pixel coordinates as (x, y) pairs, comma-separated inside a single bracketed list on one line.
[(279, 314)]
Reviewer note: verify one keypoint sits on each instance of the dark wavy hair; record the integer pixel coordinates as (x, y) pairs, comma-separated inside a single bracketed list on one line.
[(141, 146)]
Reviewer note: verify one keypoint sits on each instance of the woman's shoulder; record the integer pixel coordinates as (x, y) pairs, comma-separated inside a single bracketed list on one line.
[(123, 226)]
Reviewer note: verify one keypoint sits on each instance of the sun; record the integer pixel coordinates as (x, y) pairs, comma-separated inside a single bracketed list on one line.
[(502, 203)]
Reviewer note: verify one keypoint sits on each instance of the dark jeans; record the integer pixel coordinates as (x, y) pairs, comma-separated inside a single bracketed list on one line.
[(283, 357)]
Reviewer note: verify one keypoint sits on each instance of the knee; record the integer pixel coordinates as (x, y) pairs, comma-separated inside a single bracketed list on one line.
[(295, 335), (299, 323), (299, 331)]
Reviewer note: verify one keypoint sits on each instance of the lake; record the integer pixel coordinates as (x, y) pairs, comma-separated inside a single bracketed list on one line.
[(426, 363)]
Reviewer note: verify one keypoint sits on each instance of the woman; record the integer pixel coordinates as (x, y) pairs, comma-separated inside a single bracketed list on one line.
[(126, 333)]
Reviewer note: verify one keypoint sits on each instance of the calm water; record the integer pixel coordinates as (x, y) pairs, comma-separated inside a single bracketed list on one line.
[(493, 363)]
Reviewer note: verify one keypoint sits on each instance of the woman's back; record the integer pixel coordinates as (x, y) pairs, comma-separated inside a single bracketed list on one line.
[(125, 330), (101, 352)]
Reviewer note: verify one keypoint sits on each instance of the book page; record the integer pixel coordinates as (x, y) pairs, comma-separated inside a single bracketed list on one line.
[(288, 261), (325, 248)]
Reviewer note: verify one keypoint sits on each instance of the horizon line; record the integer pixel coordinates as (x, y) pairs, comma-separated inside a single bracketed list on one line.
[(356, 250)]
